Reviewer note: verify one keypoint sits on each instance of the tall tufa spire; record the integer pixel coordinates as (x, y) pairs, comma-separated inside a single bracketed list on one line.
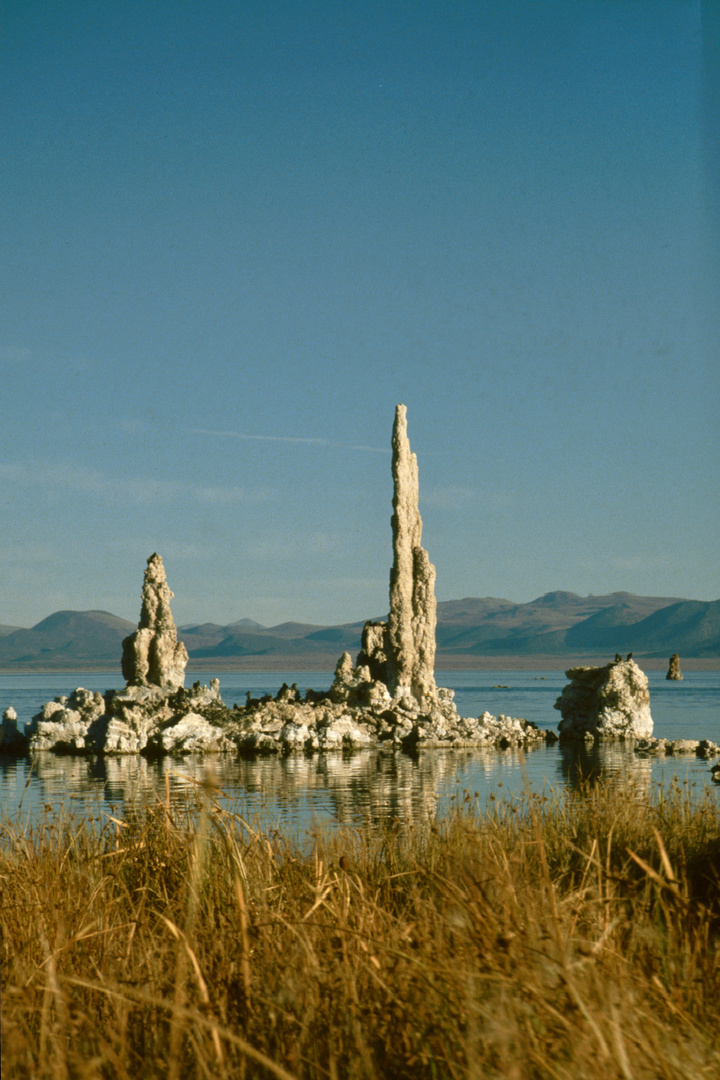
[(153, 656), (411, 625)]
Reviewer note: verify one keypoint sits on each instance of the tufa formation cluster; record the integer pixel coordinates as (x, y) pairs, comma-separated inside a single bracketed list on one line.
[(387, 697)]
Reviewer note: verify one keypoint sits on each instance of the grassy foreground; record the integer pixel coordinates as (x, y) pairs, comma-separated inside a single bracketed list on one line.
[(568, 940)]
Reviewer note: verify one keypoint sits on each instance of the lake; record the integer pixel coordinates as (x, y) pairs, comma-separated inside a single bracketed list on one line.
[(299, 792)]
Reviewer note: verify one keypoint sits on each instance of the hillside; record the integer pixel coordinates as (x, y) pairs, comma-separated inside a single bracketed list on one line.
[(67, 639), (558, 624)]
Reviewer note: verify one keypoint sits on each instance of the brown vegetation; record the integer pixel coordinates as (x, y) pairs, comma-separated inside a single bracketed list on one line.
[(569, 939)]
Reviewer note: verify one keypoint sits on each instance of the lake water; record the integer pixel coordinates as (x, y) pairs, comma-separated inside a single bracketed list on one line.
[(299, 792)]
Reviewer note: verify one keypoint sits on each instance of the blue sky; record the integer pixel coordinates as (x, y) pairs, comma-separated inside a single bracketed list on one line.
[(235, 235)]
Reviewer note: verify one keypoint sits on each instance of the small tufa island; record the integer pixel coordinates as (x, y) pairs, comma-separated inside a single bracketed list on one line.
[(610, 702), (674, 671), (388, 697)]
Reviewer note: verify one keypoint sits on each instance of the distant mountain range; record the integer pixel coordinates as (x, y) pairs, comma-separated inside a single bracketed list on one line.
[(558, 624)]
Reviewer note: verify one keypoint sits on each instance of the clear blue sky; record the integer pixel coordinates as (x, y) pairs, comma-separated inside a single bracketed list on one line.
[(236, 234)]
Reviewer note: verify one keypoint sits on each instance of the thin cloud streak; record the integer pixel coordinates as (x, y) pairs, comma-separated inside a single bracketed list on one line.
[(458, 497), (639, 562), (140, 491), (286, 439), (280, 546)]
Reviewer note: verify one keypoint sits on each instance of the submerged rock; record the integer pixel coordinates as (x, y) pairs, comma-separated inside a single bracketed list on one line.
[(702, 748), (610, 702), (674, 671)]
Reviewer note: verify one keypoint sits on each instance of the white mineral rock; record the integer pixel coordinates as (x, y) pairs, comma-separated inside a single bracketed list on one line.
[(606, 702), (194, 734), (64, 724), (153, 656), (411, 624)]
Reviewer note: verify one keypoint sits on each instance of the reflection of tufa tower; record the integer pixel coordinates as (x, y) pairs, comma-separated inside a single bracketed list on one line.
[(411, 624)]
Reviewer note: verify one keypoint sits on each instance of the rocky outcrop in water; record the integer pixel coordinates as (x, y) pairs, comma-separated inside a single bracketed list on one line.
[(153, 714), (703, 748), (12, 741), (341, 718), (153, 656), (138, 719), (152, 722), (674, 671), (610, 702), (64, 724), (388, 697)]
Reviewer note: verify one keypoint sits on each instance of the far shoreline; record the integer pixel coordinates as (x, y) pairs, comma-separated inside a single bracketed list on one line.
[(325, 664)]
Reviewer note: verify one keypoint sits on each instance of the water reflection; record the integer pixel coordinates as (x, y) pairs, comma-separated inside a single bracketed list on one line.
[(371, 786), (365, 787), (361, 788), (296, 792), (583, 764)]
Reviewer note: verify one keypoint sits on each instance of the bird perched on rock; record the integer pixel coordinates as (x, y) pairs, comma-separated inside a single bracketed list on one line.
[(629, 656), (618, 657)]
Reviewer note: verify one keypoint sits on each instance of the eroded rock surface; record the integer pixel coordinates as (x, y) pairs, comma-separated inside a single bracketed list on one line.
[(153, 714), (152, 655), (674, 671), (410, 638), (137, 719), (395, 665), (64, 724), (610, 702), (345, 719)]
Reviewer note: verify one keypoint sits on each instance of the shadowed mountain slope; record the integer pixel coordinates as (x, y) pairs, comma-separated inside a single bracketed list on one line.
[(67, 638), (553, 624), (695, 623), (556, 624)]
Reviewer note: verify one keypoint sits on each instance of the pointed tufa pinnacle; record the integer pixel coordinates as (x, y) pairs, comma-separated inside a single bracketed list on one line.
[(411, 624), (674, 671), (153, 656)]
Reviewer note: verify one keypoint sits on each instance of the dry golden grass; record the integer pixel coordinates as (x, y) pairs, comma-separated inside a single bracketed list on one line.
[(576, 939)]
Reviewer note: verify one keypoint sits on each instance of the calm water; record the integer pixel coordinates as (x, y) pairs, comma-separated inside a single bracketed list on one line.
[(298, 791)]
